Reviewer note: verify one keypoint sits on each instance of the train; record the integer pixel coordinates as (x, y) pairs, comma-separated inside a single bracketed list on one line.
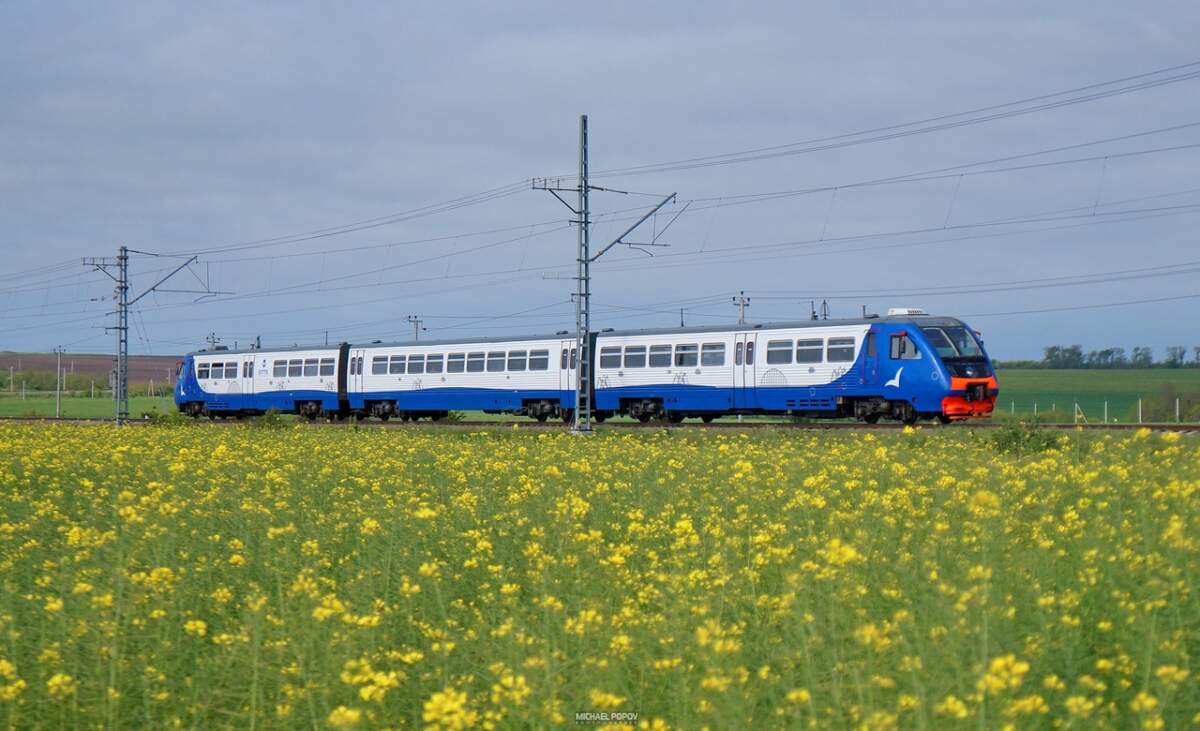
[(906, 366)]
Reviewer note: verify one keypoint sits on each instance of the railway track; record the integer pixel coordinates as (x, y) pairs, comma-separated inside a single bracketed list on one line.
[(621, 425)]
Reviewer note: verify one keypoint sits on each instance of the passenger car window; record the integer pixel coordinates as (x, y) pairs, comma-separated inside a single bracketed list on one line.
[(539, 360), (517, 360), (474, 362), (327, 366), (202, 371), (379, 365), (433, 364), (687, 355), (660, 356), (712, 354), (310, 366), (635, 356), (779, 352), (809, 350), (495, 361), (295, 368), (610, 357), (396, 365), (840, 350), (455, 362), (416, 364), (279, 368)]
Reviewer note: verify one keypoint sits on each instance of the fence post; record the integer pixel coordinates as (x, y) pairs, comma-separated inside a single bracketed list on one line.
[(1012, 407), (1035, 409), (1176, 409), (1054, 410), (1075, 412), (1139, 411), (1106, 412)]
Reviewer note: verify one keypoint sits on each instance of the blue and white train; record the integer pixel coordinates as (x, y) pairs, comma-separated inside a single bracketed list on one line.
[(905, 366)]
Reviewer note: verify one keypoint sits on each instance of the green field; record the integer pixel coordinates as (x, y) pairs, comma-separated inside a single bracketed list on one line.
[(1059, 389), (80, 407)]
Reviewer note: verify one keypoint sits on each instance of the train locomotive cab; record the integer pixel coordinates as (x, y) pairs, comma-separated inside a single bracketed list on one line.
[(972, 385)]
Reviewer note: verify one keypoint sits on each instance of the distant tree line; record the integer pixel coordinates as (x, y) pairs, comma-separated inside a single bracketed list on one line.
[(1073, 356)]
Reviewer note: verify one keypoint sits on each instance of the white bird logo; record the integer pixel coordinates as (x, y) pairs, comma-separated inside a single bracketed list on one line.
[(895, 379)]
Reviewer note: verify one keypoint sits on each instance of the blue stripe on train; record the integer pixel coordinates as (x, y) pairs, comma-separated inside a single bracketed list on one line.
[(462, 399)]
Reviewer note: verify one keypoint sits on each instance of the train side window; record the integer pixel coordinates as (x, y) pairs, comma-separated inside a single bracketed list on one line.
[(416, 364), (903, 348), (396, 364), (687, 355), (871, 345), (563, 361), (737, 354), (310, 366), (574, 358), (279, 368), (809, 350), (539, 360), (660, 356), (327, 367), (455, 362), (495, 361), (750, 353), (248, 369), (202, 371), (433, 364), (379, 365), (635, 356), (295, 368), (840, 350), (779, 352), (231, 370), (517, 360), (474, 362), (610, 357), (712, 354)]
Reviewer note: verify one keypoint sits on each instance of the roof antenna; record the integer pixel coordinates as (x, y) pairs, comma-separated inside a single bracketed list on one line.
[(864, 312), (812, 305), (824, 309)]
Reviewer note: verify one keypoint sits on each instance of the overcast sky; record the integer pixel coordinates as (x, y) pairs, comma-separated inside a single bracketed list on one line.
[(183, 127)]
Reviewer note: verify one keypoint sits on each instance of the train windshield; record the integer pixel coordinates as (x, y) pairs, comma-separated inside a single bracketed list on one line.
[(953, 341)]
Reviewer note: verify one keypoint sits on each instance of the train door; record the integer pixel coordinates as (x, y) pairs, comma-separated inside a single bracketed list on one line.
[(743, 370), (870, 373), (568, 361), (355, 365), (246, 381)]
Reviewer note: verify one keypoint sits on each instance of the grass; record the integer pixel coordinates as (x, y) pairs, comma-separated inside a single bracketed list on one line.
[(200, 576), (1020, 389), (81, 407)]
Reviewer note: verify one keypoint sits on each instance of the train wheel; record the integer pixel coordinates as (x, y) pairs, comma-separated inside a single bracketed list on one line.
[(674, 417), (568, 415), (910, 416), (871, 418), (541, 418), (707, 418), (384, 417), (643, 417), (943, 418)]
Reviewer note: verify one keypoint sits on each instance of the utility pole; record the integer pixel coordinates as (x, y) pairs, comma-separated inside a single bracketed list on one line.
[(418, 326), (58, 382), (824, 309), (741, 302), (121, 279), (680, 317), (582, 418)]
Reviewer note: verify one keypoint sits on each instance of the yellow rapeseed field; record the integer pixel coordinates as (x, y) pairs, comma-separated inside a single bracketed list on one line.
[(243, 577)]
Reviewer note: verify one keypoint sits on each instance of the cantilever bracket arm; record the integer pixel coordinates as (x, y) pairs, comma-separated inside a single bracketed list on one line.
[(152, 287), (629, 230)]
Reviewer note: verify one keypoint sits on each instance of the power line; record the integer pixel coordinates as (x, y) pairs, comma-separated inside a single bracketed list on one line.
[(1085, 307), (896, 131)]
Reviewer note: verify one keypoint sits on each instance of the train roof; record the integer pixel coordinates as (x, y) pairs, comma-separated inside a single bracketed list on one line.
[(747, 327)]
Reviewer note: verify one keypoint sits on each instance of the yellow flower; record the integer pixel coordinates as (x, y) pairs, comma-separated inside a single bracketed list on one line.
[(448, 709), (60, 685), (343, 717), (197, 627)]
